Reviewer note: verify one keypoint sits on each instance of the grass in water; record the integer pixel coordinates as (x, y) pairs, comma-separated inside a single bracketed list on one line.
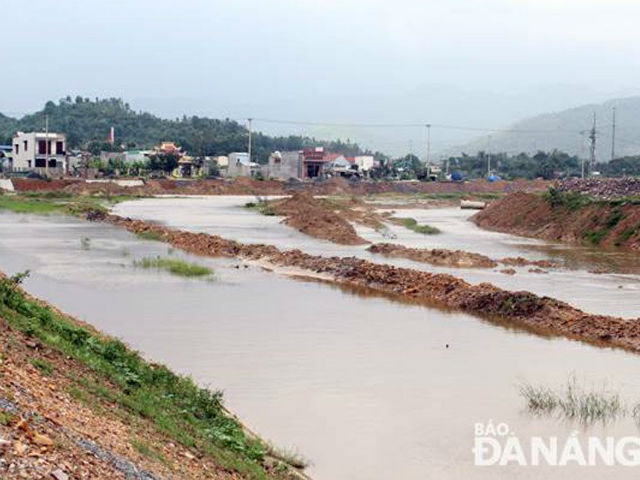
[(174, 266), (574, 402), (412, 224), (150, 235)]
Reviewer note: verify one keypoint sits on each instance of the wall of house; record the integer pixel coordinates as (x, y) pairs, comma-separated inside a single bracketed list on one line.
[(25, 159), (289, 166)]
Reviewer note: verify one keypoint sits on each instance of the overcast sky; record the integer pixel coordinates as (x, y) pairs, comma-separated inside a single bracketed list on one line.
[(461, 62)]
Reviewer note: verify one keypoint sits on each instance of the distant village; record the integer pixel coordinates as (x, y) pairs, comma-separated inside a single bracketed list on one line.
[(45, 154)]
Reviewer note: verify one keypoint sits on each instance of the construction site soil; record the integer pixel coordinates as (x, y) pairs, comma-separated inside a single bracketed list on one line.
[(249, 186), (522, 309), (452, 258), (571, 218), (313, 217)]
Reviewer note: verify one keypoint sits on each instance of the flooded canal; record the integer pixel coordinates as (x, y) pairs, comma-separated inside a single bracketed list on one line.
[(615, 294), (362, 386)]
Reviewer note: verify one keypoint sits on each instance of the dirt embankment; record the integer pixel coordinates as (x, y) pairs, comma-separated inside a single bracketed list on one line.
[(49, 430), (436, 256), (453, 258), (312, 217), (565, 217), (540, 314), (248, 186)]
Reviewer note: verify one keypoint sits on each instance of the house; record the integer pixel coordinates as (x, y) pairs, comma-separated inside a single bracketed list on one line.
[(313, 162), (39, 151), (364, 162), (240, 166), (285, 165)]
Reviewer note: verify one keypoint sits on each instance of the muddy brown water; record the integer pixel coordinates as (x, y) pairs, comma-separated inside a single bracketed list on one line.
[(363, 386), (616, 293)]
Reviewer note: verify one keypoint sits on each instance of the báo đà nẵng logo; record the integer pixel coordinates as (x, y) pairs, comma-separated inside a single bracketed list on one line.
[(496, 445)]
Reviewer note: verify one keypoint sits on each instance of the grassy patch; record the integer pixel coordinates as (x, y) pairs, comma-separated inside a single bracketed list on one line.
[(574, 402), (19, 204), (570, 200), (261, 206), (45, 367), (46, 203), (148, 451), (174, 266), (412, 224), (626, 234), (6, 418), (150, 235), (595, 237), (175, 405)]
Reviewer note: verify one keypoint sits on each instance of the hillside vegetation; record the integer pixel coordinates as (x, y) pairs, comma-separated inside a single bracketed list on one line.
[(85, 121)]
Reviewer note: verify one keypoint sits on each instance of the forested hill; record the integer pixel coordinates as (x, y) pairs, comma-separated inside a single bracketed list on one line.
[(86, 122)]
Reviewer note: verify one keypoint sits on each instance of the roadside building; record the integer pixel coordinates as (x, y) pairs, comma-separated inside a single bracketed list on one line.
[(285, 165), (313, 162), (240, 166), (38, 151), (364, 162)]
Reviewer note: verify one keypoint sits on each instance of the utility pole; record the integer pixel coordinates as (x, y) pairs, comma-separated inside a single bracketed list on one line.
[(613, 135), (488, 156), (46, 144), (428, 143), (249, 149), (592, 139)]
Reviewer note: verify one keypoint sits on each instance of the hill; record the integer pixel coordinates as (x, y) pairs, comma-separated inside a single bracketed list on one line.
[(562, 131), (84, 121)]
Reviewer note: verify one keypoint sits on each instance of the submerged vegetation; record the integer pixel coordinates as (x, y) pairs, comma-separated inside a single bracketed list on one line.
[(46, 203), (574, 402), (120, 379), (412, 224), (174, 266)]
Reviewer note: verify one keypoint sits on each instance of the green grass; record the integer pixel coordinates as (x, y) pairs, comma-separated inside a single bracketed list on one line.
[(412, 224), (146, 450), (574, 402), (174, 266), (45, 367), (150, 235), (38, 206), (186, 413), (47, 203), (261, 206)]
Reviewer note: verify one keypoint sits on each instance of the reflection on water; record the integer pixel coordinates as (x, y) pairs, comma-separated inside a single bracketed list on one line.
[(608, 294), (365, 387)]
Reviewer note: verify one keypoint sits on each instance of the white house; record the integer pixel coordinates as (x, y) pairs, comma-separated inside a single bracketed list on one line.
[(39, 151), (364, 162), (240, 166)]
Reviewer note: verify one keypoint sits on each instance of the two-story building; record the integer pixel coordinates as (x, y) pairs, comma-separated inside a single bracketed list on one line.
[(39, 151)]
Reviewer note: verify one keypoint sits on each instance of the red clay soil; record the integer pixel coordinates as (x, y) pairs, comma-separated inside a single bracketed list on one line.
[(452, 258), (36, 185), (55, 429), (312, 217), (436, 256), (542, 315), (602, 223), (248, 186)]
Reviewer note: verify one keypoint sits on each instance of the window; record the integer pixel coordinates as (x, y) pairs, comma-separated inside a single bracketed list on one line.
[(53, 163), (25, 145), (17, 148), (42, 147), (41, 163), (59, 148), (29, 163)]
